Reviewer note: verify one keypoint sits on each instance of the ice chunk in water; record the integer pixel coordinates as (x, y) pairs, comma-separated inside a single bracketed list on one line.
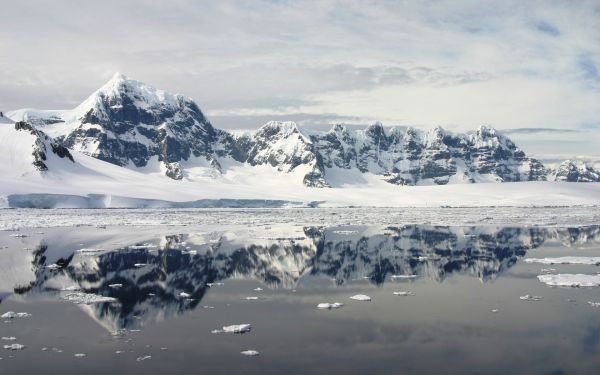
[(572, 280), (12, 315), (237, 328), (115, 286), (360, 297), (9, 338), (143, 358), (566, 260), (86, 298), (79, 355), (329, 306), (594, 304), (250, 353), (528, 297), (184, 295), (14, 347), (404, 293), (251, 298)]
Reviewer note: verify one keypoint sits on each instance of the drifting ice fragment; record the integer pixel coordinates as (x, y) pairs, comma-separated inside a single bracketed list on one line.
[(565, 260), (251, 298), (12, 315), (79, 355), (184, 295), (361, 297), (404, 276), (10, 338), (140, 359), (594, 304), (53, 266), (329, 306), (139, 265), (404, 293), (72, 288), (235, 328), (86, 298), (250, 353), (494, 310), (259, 289), (572, 280), (14, 347), (115, 286), (528, 297)]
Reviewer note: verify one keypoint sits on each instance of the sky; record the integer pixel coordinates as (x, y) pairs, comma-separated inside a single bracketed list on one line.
[(528, 68)]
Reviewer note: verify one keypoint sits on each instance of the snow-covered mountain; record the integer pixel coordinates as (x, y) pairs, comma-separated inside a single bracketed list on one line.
[(575, 171), (133, 125)]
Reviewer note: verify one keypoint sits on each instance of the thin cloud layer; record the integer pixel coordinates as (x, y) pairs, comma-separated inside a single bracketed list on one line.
[(459, 64)]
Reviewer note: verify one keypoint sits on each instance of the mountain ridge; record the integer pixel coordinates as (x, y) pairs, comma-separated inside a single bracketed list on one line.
[(134, 125)]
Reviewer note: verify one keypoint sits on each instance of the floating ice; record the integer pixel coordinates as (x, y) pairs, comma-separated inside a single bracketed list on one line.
[(250, 353), (9, 338), (528, 297), (572, 280), (184, 295), (53, 266), (259, 289), (72, 288), (89, 251), (235, 328), (594, 304), (14, 347), (79, 355), (494, 310), (404, 293), (12, 315), (139, 265), (86, 298), (143, 358), (361, 297), (404, 276), (18, 235), (329, 306), (344, 232), (115, 286), (565, 260), (251, 298)]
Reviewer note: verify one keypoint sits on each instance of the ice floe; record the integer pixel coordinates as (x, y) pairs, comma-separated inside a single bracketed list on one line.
[(235, 328), (14, 347), (8, 338), (594, 304), (86, 298), (329, 306), (565, 260), (251, 298), (115, 286), (361, 297), (572, 280), (528, 297), (184, 295), (404, 276), (79, 355), (404, 293), (72, 288), (13, 315), (250, 353), (143, 358)]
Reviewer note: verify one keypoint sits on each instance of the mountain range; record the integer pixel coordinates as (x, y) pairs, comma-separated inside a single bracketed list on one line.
[(131, 124)]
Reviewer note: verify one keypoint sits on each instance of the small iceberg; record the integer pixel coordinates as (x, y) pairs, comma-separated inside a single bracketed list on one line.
[(404, 293), (184, 295), (566, 260), (234, 328), (528, 297), (86, 298), (404, 276), (79, 355), (571, 280), (14, 347), (594, 304), (250, 353), (251, 298), (13, 315), (329, 306), (361, 297)]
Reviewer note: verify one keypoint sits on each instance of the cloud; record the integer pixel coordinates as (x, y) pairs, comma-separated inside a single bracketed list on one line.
[(512, 64), (538, 130)]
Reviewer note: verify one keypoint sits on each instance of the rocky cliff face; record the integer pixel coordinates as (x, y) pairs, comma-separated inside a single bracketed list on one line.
[(571, 171), (42, 145), (135, 125)]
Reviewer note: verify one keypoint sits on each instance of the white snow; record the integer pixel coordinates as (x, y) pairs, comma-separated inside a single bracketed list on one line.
[(566, 260), (571, 280)]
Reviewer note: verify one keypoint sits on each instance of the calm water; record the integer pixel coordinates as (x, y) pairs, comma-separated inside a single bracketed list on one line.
[(463, 275)]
